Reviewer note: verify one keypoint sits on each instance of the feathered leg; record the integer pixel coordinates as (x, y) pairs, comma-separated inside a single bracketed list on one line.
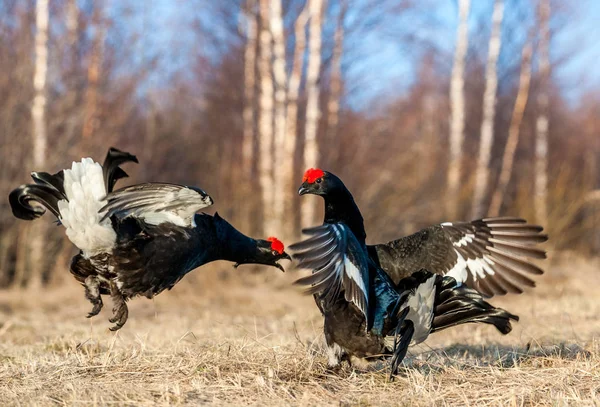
[(120, 310), (335, 354), (92, 293)]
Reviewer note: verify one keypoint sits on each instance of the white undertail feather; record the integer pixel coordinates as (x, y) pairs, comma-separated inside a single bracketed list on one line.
[(420, 312), (85, 190)]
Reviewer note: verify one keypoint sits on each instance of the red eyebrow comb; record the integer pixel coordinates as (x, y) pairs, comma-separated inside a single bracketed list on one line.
[(312, 174), (276, 244)]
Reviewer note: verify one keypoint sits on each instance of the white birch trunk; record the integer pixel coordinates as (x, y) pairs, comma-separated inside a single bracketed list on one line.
[(38, 110), (265, 120), (280, 76), (335, 91), (286, 169), (457, 105), (249, 86), (38, 107), (489, 110), (541, 125), (513, 132), (313, 112)]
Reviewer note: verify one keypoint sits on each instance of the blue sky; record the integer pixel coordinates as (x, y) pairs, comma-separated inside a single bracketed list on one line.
[(388, 66), (380, 65)]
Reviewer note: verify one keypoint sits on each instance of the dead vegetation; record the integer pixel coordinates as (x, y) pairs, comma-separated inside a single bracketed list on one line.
[(255, 340)]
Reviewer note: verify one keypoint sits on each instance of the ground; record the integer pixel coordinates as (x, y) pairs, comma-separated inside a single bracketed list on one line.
[(239, 338)]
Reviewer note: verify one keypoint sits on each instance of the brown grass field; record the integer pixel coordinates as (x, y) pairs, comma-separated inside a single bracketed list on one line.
[(240, 338)]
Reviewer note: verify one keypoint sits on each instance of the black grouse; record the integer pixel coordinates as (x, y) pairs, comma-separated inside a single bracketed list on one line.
[(489, 255), (138, 240), (368, 314)]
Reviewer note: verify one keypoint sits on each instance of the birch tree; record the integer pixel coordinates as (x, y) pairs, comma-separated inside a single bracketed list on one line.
[(249, 86), (489, 110), (265, 120), (286, 169), (513, 132), (313, 112), (457, 106), (541, 125), (248, 136), (335, 90), (280, 79), (38, 110)]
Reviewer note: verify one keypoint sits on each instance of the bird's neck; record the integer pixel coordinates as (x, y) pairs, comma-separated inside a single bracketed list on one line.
[(233, 245), (340, 207)]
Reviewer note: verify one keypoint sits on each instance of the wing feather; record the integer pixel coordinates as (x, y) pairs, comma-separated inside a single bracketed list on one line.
[(338, 262), (157, 203), (498, 249)]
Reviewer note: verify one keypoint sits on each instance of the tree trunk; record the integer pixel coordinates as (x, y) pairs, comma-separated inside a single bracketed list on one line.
[(513, 131), (313, 112), (72, 23), (335, 91), (541, 125), (93, 76), (249, 86), (280, 76), (37, 230), (489, 110), (248, 113), (265, 121), (457, 105), (38, 107), (286, 170)]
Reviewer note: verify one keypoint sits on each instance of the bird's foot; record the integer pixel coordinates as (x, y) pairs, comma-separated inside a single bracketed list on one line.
[(120, 310), (92, 293)]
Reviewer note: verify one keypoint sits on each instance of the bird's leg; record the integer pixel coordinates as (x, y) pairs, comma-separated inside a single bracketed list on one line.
[(92, 293), (334, 356), (120, 311)]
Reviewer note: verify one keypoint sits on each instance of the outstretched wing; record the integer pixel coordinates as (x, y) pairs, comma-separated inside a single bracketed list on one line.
[(339, 263), (490, 255), (157, 203)]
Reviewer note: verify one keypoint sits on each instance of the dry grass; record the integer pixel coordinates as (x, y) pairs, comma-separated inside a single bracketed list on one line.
[(258, 342)]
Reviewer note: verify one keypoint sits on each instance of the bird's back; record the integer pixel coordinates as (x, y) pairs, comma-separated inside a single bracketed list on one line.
[(148, 259)]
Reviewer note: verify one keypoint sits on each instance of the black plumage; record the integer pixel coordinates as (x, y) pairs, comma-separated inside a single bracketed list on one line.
[(146, 237), (367, 313), (489, 255)]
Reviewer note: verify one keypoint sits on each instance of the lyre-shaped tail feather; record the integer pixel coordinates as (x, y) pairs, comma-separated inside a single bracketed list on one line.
[(45, 195), (111, 170)]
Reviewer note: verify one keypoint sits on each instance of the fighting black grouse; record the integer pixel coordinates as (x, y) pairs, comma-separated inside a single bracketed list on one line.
[(138, 240), (489, 255), (368, 314)]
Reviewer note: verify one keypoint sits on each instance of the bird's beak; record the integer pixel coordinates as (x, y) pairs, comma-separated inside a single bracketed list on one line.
[(285, 257), (303, 189)]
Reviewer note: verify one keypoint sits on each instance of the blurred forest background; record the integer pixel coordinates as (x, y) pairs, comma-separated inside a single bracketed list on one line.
[(429, 110)]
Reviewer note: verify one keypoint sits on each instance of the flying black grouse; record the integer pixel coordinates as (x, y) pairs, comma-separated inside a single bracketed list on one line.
[(138, 240), (368, 311)]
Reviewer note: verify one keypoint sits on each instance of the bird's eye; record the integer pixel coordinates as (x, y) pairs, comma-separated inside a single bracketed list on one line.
[(319, 180), (274, 252)]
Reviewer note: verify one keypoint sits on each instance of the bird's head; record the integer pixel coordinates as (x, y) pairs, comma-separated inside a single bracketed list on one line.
[(270, 251), (318, 182)]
